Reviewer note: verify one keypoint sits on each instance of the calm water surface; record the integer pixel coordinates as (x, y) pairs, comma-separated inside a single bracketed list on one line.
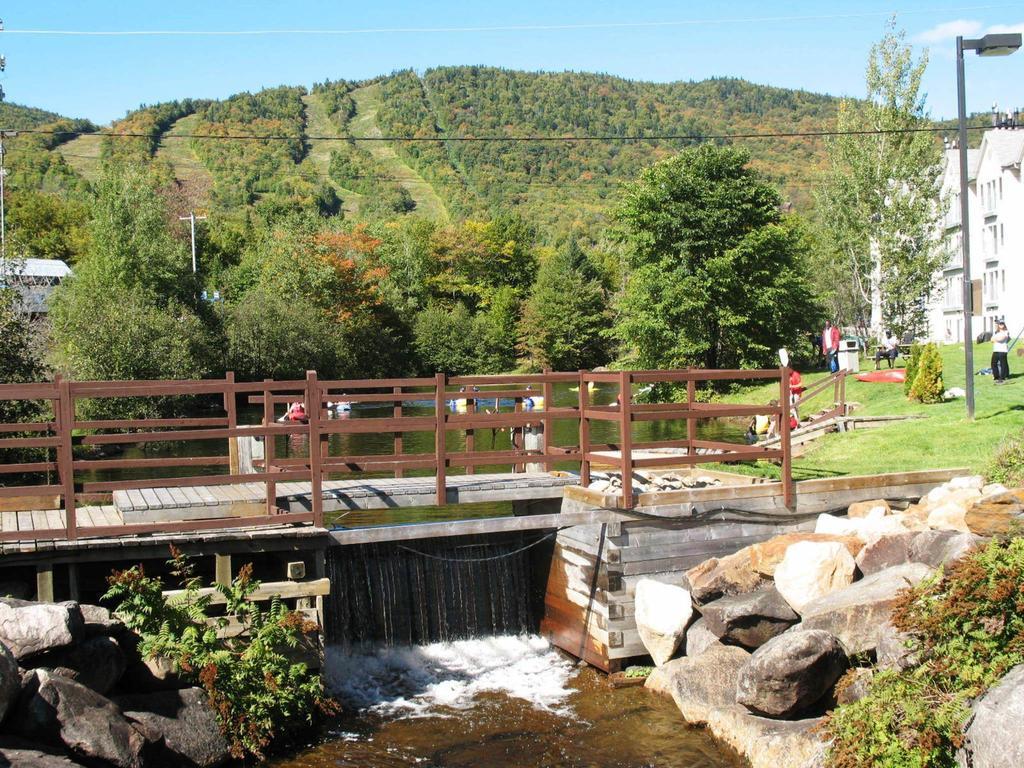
[(505, 701)]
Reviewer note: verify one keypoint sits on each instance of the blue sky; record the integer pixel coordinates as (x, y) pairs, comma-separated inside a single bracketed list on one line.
[(819, 46)]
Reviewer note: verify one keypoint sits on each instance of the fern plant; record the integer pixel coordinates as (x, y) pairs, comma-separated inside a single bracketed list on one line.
[(258, 693)]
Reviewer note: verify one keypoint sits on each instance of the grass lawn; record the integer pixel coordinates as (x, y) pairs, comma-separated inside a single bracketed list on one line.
[(943, 438)]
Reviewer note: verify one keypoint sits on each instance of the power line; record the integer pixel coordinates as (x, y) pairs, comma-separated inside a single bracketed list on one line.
[(503, 27), (535, 138)]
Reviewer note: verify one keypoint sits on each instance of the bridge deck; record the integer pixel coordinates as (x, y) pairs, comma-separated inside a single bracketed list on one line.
[(162, 504)]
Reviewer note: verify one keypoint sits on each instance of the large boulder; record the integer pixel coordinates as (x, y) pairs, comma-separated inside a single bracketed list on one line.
[(766, 556), (935, 548), (91, 727), (10, 681), (857, 613), (699, 638), (34, 628), (999, 516), (700, 684), (768, 743), (868, 508), (100, 621), (663, 611), (719, 577), (15, 754), (968, 482), (790, 672), (96, 663), (812, 569), (862, 527), (750, 619), (185, 723), (993, 738), (948, 516)]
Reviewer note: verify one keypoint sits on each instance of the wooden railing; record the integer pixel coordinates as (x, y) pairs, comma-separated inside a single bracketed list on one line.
[(62, 431), (816, 393)]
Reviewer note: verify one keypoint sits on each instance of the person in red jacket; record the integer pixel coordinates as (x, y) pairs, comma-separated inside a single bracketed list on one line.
[(830, 345)]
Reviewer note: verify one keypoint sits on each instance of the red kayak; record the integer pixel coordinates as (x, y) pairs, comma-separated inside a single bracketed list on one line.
[(891, 376)]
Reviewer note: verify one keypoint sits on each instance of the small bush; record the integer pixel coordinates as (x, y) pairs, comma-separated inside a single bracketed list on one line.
[(927, 386), (259, 695), (1007, 467), (967, 631), (912, 363)]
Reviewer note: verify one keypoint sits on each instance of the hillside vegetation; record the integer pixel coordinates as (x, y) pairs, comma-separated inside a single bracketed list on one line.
[(319, 155)]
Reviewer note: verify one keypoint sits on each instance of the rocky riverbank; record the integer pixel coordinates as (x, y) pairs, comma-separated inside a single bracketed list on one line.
[(752, 645), (75, 691)]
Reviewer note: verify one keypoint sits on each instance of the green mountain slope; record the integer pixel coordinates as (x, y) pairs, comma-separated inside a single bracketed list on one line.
[(318, 155)]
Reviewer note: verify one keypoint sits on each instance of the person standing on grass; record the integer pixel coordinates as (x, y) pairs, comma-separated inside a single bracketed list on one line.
[(1000, 349), (830, 345)]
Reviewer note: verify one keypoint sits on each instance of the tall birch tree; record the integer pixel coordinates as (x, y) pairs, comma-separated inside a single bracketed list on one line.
[(879, 200)]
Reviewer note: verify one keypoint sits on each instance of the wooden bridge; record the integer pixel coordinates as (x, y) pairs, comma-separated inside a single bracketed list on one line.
[(57, 496)]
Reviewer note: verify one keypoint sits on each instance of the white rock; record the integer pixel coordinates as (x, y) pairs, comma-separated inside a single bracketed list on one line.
[(977, 482), (599, 485), (866, 528), (993, 489), (949, 517), (812, 569), (663, 612), (837, 526), (936, 496)]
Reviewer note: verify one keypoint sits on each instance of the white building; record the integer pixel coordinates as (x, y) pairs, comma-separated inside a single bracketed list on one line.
[(35, 279), (996, 210)]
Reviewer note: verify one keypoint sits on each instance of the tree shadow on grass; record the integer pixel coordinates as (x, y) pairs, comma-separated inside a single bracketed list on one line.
[(1011, 409)]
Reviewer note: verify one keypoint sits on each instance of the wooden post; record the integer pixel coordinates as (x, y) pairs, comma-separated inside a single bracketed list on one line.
[(269, 449), (73, 591), (65, 456), (470, 434), (584, 431), (441, 420), (518, 435), (222, 569), (44, 583), (842, 393), (626, 436), (548, 394), (314, 409), (691, 421), (232, 414), (399, 472), (784, 440)]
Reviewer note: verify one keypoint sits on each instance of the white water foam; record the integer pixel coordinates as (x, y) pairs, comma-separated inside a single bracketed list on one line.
[(417, 681)]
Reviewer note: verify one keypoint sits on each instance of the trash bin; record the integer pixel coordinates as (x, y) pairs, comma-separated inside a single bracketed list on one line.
[(849, 355)]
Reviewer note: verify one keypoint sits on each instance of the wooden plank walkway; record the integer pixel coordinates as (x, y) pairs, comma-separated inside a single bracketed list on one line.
[(166, 504)]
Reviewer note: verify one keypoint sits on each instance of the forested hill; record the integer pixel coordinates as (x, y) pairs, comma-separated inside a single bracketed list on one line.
[(560, 186)]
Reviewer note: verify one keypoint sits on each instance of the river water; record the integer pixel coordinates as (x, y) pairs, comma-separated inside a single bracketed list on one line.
[(494, 702)]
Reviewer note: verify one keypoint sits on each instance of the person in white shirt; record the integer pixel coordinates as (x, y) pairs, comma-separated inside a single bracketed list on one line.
[(1000, 348), (889, 349)]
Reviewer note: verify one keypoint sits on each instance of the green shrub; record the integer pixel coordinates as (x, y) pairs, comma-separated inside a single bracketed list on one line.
[(967, 631), (912, 363), (927, 386), (259, 695), (1007, 466)]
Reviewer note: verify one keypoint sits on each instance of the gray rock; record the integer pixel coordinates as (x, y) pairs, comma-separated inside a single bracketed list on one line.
[(38, 627), (58, 710), (701, 684), (10, 681), (151, 675), (892, 652), (185, 724), (886, 552), (25, 755), (699, 638), (993, 738), (935, 548), (857, 613), (99, 621), (719, 577), (96, 663), (854, 685), (789, 673), (750, 619)]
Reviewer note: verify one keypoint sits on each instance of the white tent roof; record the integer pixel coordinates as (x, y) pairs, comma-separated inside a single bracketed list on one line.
[(36, 267)]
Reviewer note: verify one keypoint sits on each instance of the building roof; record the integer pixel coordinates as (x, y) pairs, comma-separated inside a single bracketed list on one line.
[(36, 267), (953, 163), (1005, 145)]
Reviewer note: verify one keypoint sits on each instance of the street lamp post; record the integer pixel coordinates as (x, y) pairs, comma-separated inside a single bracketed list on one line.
[(989, 45)]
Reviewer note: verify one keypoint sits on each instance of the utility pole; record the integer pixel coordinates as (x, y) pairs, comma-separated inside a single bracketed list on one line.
[(192, 219), (3, 171)]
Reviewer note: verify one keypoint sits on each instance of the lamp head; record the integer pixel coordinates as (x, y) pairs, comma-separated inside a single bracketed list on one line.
[(995, 44)]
